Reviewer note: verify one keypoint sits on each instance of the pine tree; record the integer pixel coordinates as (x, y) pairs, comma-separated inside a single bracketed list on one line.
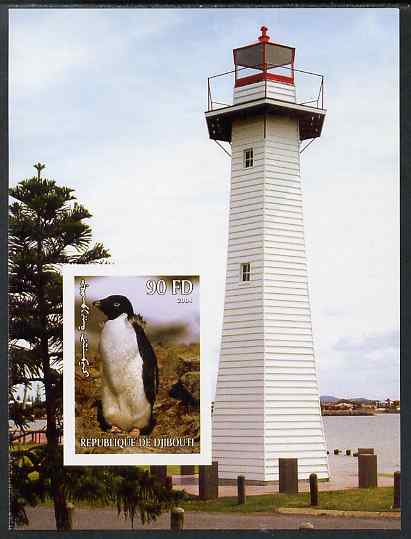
[(47, 229)]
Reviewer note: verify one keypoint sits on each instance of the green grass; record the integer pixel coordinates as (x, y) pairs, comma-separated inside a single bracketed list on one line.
[(22, 447), (377, 499), (172, 469)]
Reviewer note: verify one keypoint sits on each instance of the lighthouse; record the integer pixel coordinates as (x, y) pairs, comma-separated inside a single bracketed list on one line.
[(267, 403)]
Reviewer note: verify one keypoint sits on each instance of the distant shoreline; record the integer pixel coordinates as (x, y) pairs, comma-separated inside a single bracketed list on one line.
[(356, 412)]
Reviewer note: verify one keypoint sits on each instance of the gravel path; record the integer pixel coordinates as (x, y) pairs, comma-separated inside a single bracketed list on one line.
[(42, 518)]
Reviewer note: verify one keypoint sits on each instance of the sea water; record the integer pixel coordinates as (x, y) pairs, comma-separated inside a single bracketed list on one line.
[(382, 432)]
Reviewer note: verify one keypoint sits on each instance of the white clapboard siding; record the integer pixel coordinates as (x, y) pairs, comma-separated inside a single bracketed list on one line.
[(238, 418), (307, 418), (267, 399), (258, 90)]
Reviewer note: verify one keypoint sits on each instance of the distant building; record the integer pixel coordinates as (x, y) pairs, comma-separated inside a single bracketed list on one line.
[(344, 406)]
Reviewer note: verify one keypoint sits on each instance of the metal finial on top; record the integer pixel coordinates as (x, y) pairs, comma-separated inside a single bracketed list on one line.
[(39, 168), (264, 38)]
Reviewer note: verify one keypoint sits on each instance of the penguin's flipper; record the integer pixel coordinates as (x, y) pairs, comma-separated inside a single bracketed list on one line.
[(150, 366)]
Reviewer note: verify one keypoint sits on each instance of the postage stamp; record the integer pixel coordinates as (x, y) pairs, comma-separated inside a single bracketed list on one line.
[(133, 368)]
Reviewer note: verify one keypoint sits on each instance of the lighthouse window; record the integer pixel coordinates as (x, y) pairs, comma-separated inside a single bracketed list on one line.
[(248, 158), (245, 272)]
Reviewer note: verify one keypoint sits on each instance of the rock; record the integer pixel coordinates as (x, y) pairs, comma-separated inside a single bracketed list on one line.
[(187, 364), (175, 417), (191, 381), (180, 392)]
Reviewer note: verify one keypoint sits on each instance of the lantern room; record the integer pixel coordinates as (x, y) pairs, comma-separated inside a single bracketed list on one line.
[(265, 83), (264, 60)]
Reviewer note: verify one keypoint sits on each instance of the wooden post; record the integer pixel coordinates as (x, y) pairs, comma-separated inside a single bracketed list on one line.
[(187, 470), (397, 491), (313, 489), (168, 483), (366, 451), (367, 470), (288, 476), (160, 472), (208, 482), (70, 512), (177, 519), (241, 489)]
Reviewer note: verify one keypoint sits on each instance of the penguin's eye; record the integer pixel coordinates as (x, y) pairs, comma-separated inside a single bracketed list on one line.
[(117, 305)]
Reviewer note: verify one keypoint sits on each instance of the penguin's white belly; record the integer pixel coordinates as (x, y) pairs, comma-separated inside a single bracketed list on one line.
[(123, 398)]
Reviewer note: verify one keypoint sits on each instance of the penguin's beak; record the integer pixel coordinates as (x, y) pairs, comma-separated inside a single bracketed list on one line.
[(96, 304)]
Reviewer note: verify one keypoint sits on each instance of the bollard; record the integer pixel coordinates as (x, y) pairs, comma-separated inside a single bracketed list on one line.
[(177, 519), (313, 489), (336, 451), (208, 481), (348, 452), (241, 489), (187, 470), (70, 511), (397, 490), (367, 471), (160, 472), (366, 451), (288, 476), (168, 483)]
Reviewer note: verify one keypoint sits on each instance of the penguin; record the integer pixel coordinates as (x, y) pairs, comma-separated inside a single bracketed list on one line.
[(129, 370)]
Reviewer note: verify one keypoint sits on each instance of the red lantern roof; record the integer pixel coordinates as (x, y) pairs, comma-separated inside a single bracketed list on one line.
[(269, 61)]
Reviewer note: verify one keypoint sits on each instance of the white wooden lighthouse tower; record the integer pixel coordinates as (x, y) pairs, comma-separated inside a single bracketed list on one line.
[(267, 399)]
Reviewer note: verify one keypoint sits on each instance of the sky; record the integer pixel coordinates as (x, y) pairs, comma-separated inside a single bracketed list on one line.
[(113, 102), (166, 321)]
